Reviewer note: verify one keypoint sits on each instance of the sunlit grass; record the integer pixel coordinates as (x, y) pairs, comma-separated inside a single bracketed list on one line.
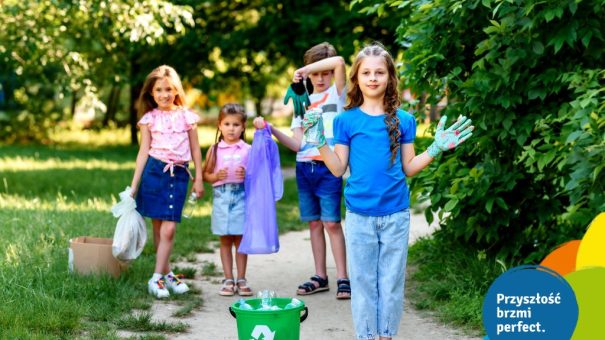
[(31, 164), (91, 138), (121, 136)]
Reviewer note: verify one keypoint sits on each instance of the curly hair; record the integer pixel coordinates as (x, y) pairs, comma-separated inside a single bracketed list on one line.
[(391, 95), (146, 103), (230, 109)]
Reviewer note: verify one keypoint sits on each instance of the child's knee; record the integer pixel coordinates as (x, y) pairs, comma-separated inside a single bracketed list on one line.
[(315, 224), (167, 232), (333, 226)]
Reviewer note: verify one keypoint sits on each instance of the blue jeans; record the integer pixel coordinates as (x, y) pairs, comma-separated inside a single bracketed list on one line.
[(377, 249)]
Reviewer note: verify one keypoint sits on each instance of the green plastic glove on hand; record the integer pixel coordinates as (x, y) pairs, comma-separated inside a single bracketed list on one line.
[(313, 125), (448, 139), (300, 98)]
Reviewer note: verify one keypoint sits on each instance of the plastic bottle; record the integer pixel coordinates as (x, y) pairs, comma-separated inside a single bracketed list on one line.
[(266, 297), (293, 304), (243, 305), (313, 132), (190, 206)]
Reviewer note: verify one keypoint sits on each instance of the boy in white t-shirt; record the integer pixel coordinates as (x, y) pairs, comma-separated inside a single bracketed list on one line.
[(319, 192)]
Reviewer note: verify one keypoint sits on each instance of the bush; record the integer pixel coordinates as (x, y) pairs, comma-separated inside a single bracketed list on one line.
[(529, 74)]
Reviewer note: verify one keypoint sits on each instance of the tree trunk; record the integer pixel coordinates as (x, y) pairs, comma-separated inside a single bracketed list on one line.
[(258, 107), (134, 94), (112, 105), (135, 89), (74, 101)]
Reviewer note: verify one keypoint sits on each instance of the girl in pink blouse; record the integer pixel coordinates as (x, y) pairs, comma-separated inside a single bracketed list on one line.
[(169, 142), (225, 168)]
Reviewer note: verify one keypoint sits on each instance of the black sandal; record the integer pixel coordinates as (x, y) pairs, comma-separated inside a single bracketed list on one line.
[(310, 288), (344, 287)]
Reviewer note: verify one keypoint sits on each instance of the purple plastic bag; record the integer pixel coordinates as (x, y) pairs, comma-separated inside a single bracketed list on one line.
[(264, 185)]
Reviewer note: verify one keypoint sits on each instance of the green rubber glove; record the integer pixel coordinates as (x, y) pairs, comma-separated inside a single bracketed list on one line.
[(448, 139), (313, 125), (300, 98)]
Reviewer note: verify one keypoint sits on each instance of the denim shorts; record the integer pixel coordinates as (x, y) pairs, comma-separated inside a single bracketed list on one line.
[(161, 196), (319, 192), (377, 248), (228, 209)]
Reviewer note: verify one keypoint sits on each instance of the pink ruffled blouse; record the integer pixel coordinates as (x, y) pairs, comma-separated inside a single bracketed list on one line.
[(169, 133)]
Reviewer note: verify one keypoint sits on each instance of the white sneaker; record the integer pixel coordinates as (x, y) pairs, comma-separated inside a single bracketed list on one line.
[(157, 288), (175, 285)]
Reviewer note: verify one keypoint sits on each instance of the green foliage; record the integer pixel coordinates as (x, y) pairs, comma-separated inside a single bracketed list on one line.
[(143, 323), (54, 52), (529, 74), (450, 279)]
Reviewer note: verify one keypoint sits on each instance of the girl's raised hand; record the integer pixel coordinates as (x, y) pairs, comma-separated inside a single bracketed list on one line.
[(451, 137)]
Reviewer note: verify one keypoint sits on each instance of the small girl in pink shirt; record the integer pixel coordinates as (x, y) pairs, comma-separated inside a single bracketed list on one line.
[(169, 142), (226, 168)]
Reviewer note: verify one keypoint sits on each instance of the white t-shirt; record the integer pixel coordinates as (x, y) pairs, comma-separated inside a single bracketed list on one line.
[(331, 104)]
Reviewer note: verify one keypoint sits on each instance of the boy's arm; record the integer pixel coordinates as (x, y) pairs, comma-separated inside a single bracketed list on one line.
[(292, 143), (336, 64)]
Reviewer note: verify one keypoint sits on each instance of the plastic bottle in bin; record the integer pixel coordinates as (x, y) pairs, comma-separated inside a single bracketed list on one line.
[(190, 206), (244, 305), (293, 303), (266, 299)]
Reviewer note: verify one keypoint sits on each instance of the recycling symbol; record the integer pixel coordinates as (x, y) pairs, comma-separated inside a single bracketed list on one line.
[(262, 332)]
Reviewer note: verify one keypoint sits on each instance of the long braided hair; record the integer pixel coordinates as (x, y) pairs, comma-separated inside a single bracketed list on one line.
[(391, 95), (230, 109)]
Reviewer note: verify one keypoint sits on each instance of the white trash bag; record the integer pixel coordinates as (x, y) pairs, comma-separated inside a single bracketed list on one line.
[(131, 233)]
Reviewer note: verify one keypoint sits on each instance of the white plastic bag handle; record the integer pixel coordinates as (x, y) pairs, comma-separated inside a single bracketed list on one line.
[(126, 204)]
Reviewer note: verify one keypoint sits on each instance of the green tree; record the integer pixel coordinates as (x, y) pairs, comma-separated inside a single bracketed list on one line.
[(62, 50), (530, 75), (247, 46)]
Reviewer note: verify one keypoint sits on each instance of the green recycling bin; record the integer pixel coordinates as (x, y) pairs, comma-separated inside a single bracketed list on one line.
[(283, 324)]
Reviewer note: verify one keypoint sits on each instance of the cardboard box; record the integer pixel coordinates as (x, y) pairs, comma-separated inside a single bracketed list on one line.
[(92, 255)]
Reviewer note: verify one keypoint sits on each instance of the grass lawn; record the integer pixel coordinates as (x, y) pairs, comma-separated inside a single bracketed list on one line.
[(50, 194)]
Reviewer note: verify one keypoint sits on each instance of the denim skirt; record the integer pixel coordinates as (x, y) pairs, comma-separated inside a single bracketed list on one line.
[(228, 209), (160, 195)]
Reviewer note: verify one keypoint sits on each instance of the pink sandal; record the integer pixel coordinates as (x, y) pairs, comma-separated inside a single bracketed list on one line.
[(242, 288), (228, 288)]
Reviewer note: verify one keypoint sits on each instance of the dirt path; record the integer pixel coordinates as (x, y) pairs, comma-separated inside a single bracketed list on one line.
[(283, 272)]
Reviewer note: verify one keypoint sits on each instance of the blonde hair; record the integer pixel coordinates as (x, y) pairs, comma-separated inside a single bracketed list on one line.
[(146, 103), (230, 109), (319, 52), (391, 96)]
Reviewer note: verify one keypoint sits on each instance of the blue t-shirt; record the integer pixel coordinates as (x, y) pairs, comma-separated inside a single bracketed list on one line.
[(375, 187)]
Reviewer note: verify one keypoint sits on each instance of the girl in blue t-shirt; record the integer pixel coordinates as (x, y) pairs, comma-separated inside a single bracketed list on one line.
[(375, 139)]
